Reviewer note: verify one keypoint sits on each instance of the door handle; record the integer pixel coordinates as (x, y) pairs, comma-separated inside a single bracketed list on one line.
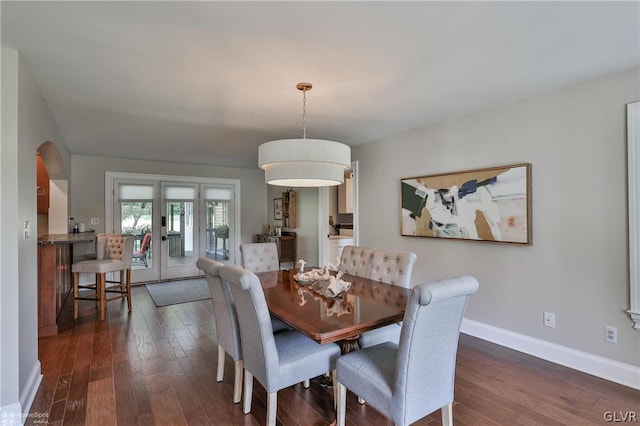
[(164, 238)]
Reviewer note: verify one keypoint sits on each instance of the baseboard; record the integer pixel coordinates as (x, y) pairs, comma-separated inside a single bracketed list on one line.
[(614, 371), (28, 394)]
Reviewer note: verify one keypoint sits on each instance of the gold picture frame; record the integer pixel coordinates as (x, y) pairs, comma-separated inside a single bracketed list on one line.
[(490, 204)]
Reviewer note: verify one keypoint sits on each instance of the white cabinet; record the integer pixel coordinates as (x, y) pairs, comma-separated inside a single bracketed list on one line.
[(336, 245), (345, 196)]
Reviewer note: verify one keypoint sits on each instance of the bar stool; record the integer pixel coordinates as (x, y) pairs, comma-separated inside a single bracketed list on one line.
[(113, 254)]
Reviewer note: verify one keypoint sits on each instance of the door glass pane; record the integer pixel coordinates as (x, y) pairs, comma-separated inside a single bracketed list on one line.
[(137, 222), (218, 229), (179, 233)]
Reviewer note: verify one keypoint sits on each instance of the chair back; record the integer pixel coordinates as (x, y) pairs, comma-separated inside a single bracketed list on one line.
[(356, 260), (392, 267), (146, 241), (115, 246), (425, 367), (260, 257), (224, 310), (256, 333)]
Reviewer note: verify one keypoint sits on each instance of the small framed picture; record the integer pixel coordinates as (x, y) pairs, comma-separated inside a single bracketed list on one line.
[(277, 208)]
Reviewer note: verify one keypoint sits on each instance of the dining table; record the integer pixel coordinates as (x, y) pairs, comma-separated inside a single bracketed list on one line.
[(310, 309)]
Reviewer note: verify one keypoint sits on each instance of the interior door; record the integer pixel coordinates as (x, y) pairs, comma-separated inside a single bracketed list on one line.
[(179, 224)]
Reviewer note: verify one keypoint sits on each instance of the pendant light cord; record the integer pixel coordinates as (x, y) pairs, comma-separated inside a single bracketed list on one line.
[(304, 114)]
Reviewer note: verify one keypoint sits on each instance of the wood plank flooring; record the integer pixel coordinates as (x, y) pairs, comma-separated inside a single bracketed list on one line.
[(156, 366)]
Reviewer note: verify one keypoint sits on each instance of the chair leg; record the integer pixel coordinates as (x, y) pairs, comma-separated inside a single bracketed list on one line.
[(447, 415), (122, 282), (128, 284), (237, 382), (248, 391), (76, 293), (101, 291), (306, 384), (342, 404), (334, 379), (221, 355), (272, 408)]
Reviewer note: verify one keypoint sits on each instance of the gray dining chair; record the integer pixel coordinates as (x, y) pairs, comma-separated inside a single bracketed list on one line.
[(263, 257), (260, 257), (226, 319), (409, 381), (277, 360), (395, 268), (356, 261)]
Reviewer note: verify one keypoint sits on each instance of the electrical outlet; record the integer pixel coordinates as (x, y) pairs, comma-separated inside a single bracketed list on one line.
[(549, 319), (95, 221), (610, 334)]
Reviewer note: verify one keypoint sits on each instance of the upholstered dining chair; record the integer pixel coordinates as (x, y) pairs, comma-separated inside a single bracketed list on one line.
[(277, 360), (226, 319), (409, 381), (263, 257), (260, 257), (113, 254), (389, 267), (356, 260)]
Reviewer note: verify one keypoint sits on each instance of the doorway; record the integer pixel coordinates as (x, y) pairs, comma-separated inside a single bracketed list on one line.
[(174, 221), (335, 213)]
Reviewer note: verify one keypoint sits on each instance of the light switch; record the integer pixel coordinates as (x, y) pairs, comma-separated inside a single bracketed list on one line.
[(27, 229)]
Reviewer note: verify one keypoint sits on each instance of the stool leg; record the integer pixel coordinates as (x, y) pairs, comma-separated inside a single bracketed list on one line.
[(97, 303), (102, 295), (129, 289), (76, 293)]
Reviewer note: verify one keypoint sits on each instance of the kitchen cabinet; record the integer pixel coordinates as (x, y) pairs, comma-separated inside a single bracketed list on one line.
[(42, 182), (55, 257), (345, 195), (336, 245)]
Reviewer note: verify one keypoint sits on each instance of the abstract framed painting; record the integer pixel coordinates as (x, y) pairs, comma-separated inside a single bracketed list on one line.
[(491, 204)]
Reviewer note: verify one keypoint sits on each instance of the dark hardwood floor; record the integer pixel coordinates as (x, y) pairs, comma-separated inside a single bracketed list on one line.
[(156, 366)]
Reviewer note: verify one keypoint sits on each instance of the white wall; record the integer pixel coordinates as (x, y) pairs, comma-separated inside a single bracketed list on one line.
[(87, 187), (577, 266), (9, 230), (26, 124)]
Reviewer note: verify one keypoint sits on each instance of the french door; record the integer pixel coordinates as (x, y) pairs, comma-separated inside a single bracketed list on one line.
[(174, 222)]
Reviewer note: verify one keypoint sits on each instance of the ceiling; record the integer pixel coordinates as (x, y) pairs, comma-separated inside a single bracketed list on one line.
[(208, 82)]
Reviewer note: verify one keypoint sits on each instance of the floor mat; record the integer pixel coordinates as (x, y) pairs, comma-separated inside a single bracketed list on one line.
[(174, 292)]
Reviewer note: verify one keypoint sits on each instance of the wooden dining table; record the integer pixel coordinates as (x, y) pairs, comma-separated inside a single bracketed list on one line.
[(367, 305)]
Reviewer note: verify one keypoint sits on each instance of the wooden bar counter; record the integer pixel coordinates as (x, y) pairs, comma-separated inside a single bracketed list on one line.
[(55, 256)]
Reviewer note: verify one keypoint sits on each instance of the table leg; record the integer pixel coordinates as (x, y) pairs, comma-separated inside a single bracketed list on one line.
[(349, 345)]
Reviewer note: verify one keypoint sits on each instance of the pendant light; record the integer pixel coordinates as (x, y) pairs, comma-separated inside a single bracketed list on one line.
[(304, 162)]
